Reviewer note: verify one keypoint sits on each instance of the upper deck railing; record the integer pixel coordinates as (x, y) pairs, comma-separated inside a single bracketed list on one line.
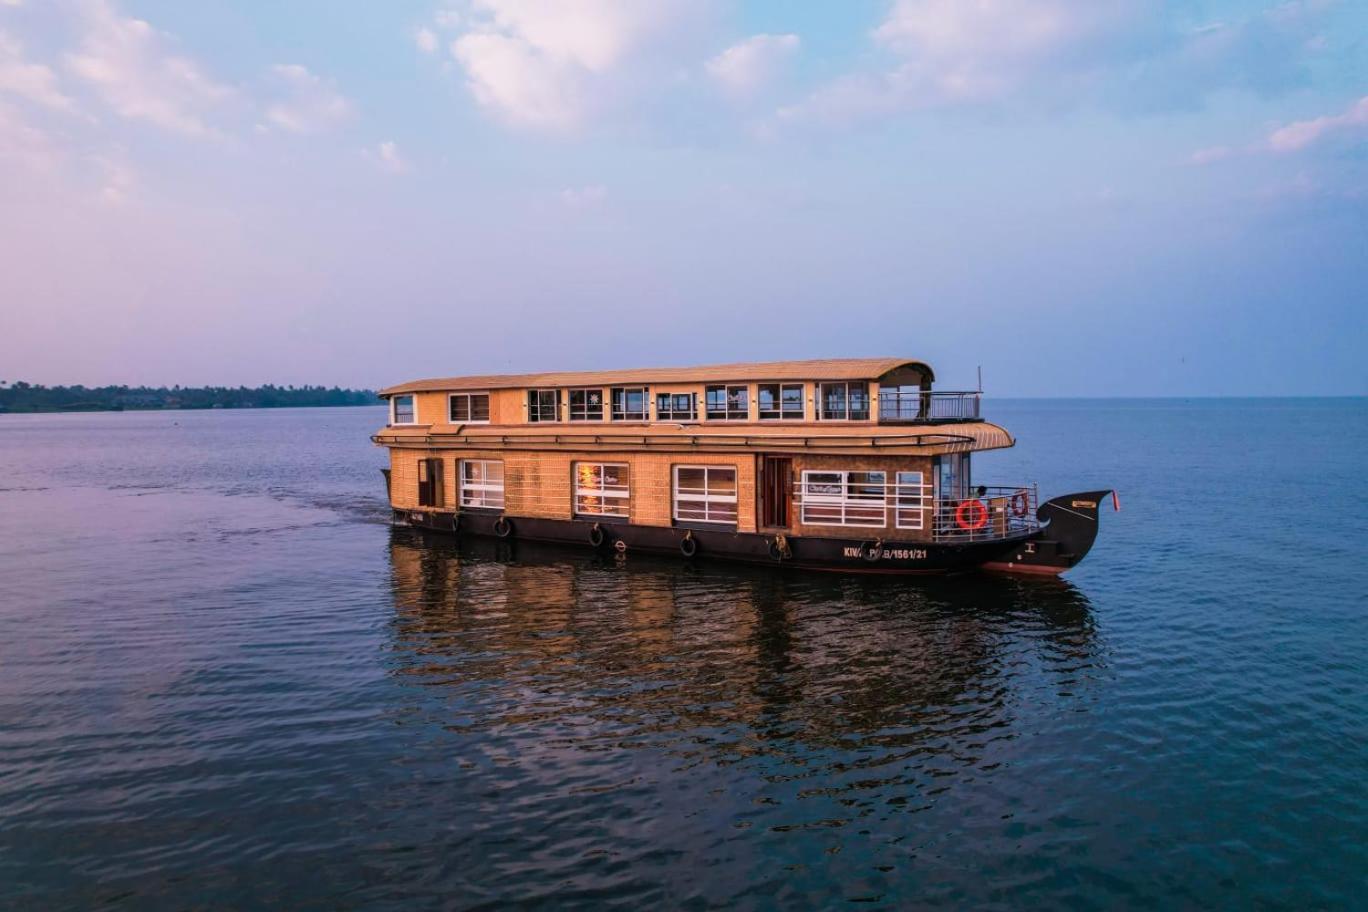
[(925, 406)]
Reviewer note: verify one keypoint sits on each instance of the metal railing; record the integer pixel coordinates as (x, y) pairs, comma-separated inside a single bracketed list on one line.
[(927, 406), (850, 501)]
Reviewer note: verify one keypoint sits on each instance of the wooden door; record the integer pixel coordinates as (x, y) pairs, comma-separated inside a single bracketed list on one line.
[(776, 491)]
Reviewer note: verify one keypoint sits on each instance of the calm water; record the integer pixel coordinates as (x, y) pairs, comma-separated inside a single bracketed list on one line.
[(225, 682)]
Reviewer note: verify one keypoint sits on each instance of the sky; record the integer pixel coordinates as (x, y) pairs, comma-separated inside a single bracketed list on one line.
[(1100, 198)]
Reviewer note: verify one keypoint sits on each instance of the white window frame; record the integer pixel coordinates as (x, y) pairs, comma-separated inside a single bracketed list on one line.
[(645, 402), (905, 514), (603, 403), (726, 389), (482, 488), (706, 497), (841, 500), (673, 414), (790, 415), (394, 408), (470, 407), (845, 399), (604, 492)]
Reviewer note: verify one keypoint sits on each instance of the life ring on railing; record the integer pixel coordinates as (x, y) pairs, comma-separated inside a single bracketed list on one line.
[(596, 535), (502, 527), (971, 515), (1021, 504), (688, 545)]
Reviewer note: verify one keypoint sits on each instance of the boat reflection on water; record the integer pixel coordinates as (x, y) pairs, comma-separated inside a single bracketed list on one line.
[(723, 662)]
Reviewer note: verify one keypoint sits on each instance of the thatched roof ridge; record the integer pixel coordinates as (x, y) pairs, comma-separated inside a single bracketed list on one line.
[(819, 369)]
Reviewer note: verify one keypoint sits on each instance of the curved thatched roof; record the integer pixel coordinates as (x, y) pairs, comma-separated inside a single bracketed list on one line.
[(821, 369)]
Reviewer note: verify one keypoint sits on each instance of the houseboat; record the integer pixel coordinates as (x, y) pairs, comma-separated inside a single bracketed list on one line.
[(853, 465)]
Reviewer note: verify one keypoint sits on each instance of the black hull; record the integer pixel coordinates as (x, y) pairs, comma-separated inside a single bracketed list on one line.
[(1040, 552)]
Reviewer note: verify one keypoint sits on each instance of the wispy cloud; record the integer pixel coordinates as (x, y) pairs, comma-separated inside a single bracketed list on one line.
[(308, 103), (583, 197), (552, 64), (135, 70), (34, 82), (1295, 136), (749, 66), (1303, 133), (388, 158)]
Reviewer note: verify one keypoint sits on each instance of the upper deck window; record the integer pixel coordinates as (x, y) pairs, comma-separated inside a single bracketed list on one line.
[(630, 403), (782, 401), (403, 410), (469, 408), (676, 406), (586, 405), (844, 401), (727, 403), (543, 405)]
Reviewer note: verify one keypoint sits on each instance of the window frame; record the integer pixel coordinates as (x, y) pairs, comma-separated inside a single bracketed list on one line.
[(464, 485), (847, 410), (781, 414), (842, 499), (900, 506), (470, 407), (394, 408), (538, 392), (673, 414), (585, 391), (603, 492), (706, 498), (613, 403), (727, 413)]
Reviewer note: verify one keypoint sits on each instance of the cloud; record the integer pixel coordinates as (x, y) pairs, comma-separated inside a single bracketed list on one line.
[(33, 82), (1303, 133), (426, 39), (745, 68), (387, 157), (1293, 137), (1125, 55), (583, 197), (117, 180), (310, 104), (131, 66), (23, 145), (552, 64)]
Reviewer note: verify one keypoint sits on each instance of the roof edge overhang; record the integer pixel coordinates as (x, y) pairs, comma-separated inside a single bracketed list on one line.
[(756, 372)]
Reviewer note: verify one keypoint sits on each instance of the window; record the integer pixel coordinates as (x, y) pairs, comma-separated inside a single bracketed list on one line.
[(844, 499), (781, 401), (586, 405), (404, 410), (677, 407), (705, 494), (601, 489), (629, 403), (482, 484), (469, 408), (430, 493), (543, 405), (842, 401), (910, 497), (952, 476), (727, 403)]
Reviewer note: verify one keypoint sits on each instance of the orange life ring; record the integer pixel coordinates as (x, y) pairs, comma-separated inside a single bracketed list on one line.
[(1020, 504), (967, 507)]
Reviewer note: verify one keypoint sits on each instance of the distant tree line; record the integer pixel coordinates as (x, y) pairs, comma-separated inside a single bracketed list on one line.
[(34, 397)]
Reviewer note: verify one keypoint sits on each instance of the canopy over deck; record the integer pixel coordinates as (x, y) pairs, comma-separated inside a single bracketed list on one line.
[(821, 369)]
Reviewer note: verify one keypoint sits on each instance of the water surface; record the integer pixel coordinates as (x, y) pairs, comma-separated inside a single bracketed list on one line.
[(226, 682)]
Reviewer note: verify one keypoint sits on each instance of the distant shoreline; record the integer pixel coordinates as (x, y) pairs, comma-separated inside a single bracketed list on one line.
[(22, 398)]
